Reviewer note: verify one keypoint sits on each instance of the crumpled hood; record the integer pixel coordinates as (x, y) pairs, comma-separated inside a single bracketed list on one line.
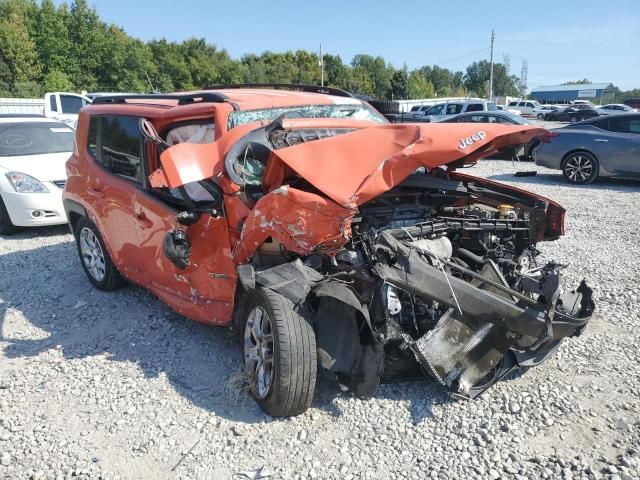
[(355, 167)]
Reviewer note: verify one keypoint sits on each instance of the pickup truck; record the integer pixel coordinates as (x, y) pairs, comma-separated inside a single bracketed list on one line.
[(62, 106)]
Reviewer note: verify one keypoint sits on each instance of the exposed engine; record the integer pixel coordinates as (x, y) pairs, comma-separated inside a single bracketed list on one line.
[(440, 277)]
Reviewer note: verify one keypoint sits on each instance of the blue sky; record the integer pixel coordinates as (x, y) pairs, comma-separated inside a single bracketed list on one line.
[(561, 40)]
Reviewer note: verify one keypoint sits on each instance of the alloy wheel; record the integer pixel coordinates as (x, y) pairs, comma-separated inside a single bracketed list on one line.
[(579, 168), (258, 350), (92, 254)]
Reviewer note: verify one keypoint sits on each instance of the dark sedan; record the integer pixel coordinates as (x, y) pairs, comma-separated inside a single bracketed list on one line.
[(571, 114), (504, 117), (608, 146)]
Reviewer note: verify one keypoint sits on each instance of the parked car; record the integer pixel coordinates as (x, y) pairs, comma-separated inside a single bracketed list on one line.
[(505, 118), (614, 108), (544, 109), (633, 103), (608, 146), (527, 107), (571, 114), (441, 110), (419, 110), (324, 235), (502, 108), (33, 152)]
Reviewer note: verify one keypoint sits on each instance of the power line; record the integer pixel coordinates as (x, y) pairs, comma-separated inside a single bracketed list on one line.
[(462, 56)]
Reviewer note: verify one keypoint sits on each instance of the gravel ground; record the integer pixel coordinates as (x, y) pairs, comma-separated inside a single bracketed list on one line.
[(115, 385)]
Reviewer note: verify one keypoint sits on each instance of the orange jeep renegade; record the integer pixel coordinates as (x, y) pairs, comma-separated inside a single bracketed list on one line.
[(329, 238)]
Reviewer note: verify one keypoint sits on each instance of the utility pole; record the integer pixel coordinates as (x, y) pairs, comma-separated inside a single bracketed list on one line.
[(493, 37), (321, 68)]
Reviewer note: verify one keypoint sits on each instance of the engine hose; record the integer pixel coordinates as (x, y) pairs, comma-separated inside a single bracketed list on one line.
[(470, 256)]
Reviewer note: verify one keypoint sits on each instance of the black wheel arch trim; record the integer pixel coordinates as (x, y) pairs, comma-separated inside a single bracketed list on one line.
[(74, 210)]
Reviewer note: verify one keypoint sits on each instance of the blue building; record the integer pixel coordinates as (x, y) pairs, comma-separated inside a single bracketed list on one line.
[(569, 93)]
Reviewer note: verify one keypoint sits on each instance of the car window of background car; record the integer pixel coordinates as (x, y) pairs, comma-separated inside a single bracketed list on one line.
[(35, 138), (491, 106), (436, 109), (513, 104), (120, 143), (454, 108), (474, 107), (71, 104), (53, 103)]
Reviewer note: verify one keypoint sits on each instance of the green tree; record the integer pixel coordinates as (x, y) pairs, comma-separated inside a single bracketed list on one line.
[(18, 50), (336, 73), (400, 84), (52, 38), (377, 71), (584, 81), (420, 86), (476, 80), (56, 81)]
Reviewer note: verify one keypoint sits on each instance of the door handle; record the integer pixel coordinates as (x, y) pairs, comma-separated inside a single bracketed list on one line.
[(601, 140), (142, 219)]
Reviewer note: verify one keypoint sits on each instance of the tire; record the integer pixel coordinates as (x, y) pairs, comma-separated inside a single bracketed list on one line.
[(6, 227), (288, 344), (102, 273), (540, 116), (580, 168), (573, 119)]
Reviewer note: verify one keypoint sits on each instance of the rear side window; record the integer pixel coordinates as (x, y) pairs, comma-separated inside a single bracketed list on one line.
[(513, 104), (624, 125), (474, 107), (116, 143), (53, 104)]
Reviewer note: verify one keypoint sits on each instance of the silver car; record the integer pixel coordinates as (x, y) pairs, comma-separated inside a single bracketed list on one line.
[(599, 147)]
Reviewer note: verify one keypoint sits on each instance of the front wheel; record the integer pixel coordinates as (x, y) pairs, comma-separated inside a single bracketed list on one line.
[(580, 168), (279, 353), (6, 226), (95, 259), (540, 116), (573, 119)]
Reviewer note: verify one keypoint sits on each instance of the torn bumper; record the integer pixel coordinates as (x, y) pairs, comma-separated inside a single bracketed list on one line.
[(489, 328)]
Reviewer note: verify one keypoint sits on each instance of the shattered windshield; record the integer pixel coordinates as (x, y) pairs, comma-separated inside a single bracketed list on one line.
[(353, 111)]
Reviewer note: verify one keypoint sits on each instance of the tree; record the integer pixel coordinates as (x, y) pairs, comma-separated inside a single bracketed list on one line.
[(52, 39), (18, 50), (56, 81), (476, 80), (336, 73), (376, 70), (584, 81), (400, 84), (420, 86)]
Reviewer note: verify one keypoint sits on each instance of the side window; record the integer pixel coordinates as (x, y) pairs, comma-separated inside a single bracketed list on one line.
[(53, 103), (530, 105), (513, 104), (92, 141), (521, 104), (116, 143), (71, 104), (634, 126), (619, 125), (474, 107), (454, 108)]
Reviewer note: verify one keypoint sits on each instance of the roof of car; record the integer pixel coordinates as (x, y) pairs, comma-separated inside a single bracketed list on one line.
[(240, 98)]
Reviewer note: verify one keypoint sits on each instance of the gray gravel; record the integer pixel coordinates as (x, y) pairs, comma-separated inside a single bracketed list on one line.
[(115, 385)]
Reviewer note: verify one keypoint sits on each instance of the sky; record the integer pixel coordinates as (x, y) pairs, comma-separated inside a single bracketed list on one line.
[(561, 40)]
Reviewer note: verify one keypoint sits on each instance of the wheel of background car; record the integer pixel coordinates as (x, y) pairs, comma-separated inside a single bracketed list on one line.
[(94, 257), (540, 116), (6, 227), (279, 347), (580, 167), (573, 119)]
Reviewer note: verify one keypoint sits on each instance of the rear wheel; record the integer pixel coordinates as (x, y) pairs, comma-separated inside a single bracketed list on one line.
[(94, 257), (573, 119), (6, 227), (540, 116), (279, 353), (580, 168)]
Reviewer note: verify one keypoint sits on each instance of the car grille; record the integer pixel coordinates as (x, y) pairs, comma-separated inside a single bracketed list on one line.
[(59, 183)]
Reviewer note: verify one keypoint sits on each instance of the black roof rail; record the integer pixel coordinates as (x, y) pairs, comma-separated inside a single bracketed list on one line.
[(296, 87), (182, 98)]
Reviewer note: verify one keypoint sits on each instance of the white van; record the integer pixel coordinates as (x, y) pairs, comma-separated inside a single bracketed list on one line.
[(527, 107), (441, 110)]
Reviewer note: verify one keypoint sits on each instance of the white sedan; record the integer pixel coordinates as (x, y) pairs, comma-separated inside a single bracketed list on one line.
[(33, 153)]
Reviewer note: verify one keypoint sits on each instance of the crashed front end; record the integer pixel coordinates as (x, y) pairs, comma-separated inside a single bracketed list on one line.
[(404, 266)]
